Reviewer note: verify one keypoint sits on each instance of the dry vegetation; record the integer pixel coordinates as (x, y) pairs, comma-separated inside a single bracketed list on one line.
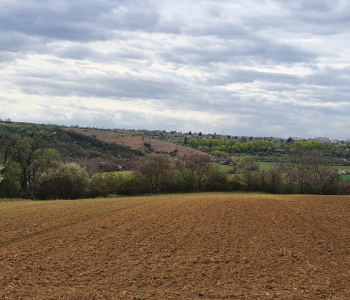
[(191, 246), (134, 140)]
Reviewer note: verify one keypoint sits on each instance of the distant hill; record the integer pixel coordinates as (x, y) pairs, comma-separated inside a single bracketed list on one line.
[(97, 149), (75, 146), (135, 140)]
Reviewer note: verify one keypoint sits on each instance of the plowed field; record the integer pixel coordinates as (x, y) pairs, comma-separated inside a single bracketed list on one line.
[(198, 246)]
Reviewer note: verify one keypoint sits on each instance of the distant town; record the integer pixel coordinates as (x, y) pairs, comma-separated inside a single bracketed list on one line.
[(234, 138)]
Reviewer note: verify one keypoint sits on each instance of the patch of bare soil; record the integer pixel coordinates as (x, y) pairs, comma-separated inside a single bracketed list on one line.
[(198, 246), (135, 141)]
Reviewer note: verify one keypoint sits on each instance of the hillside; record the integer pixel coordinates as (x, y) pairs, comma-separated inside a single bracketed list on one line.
[(74, 146), (194, 246), (135, 140)]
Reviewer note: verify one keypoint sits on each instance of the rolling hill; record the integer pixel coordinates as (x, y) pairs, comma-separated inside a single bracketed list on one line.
[(134, 140)]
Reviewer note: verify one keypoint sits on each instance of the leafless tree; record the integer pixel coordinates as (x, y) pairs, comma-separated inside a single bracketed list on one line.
[(193, 170), (154, 174), (308, 171)]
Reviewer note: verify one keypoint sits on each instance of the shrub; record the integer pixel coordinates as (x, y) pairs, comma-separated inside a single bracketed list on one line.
[(10, 186), (192, 172), (154, 175), (68, 181), (1, 176), (217, 180), (116, 183)]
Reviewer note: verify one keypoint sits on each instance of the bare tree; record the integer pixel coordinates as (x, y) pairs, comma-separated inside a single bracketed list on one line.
[(308, 171), (154, 174), (193, 170)]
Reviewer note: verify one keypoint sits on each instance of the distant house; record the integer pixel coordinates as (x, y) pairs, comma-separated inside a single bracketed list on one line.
[(324, 140), (295, 138)]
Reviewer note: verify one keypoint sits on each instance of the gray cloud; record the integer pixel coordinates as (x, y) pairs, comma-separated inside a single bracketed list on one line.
[(6, 57), (109, 85), (253, 67), (75, 20), (82, 52)]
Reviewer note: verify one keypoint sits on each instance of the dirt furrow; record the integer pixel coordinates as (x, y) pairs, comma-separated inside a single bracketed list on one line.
[(198, 246)]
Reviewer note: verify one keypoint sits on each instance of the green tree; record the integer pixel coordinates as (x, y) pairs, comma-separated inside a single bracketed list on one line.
[(193, 143), (24, 163), (249, 145), (262, 145), (244, 163), (10, 146), (307, 145), (33, 162), (1, 173), (237, 147), (204, 142)]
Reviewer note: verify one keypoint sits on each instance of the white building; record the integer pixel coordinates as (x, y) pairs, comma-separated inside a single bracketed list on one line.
[(321, 139)]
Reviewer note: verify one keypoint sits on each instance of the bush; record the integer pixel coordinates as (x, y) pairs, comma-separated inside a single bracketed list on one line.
[(1, 176), (107, 184), (217, 180), (99, 186), (154, 175), (68, 181), (192, 172), (10, 185)]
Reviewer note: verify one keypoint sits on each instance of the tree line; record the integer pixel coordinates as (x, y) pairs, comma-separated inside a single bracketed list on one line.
[(208, 145), (307, 171), (30, 170), (264, 147), (73, 146)]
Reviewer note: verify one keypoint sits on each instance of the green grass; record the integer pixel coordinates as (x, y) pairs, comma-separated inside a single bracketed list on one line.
[(269, 165), (175, 140), (345, 177), (266, 165), (196, 240), (223, 167), (341, 167), (124, 172)]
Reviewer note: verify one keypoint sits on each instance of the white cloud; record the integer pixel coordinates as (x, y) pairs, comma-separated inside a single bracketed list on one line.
[(253, 67)]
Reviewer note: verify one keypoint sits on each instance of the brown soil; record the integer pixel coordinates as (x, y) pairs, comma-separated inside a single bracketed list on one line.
[(198, 246), (135, 140)]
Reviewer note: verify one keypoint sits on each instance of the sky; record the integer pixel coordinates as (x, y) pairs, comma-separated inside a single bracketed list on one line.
[(262, 68)]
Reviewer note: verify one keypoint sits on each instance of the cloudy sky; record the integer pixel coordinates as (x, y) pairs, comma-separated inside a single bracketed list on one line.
[(263, 67)]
